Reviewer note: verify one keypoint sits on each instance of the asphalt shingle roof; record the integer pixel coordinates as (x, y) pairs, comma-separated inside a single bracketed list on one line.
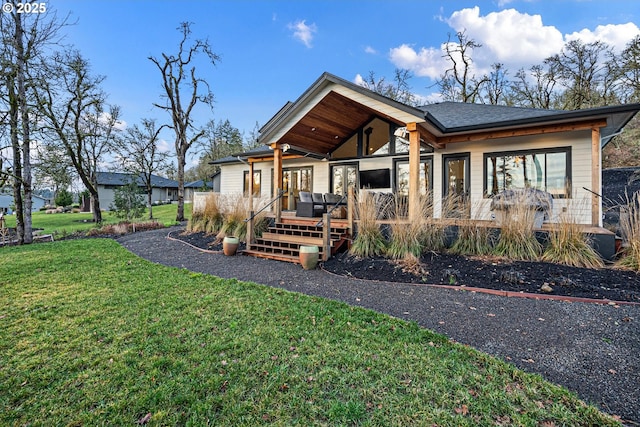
[(119, 178)]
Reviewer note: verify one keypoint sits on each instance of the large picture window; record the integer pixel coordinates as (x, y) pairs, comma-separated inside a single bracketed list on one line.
[(547, 170)]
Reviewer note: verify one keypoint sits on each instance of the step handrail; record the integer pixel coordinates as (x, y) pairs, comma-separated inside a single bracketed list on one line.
[(275, 199), (335, 206)]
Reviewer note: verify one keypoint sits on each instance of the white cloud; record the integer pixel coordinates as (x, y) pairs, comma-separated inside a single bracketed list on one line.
[(359, 80), (370, 50), (509, 37), (515, 39), (427, 62), (303, 32), (616, 36), (164, 146)]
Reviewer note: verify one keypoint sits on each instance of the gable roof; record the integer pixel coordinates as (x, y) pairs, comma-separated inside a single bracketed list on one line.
[(332, 108), (120, 178)]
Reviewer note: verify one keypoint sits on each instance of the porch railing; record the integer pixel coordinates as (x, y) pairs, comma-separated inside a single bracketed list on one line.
[(253, 214)]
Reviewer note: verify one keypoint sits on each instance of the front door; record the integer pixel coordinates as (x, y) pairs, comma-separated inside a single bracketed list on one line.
[(456, 185), (294, 180)]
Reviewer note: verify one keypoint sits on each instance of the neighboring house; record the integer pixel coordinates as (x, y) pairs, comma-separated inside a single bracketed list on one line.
[(196, 186), (164, 189), (7, 204), (338, 134)]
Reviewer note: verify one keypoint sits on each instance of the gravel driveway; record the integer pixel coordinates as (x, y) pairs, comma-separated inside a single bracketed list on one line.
[(591, 349)]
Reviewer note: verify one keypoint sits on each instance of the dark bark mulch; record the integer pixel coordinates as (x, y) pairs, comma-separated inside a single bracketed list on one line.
[(478, 272), (494, 273)]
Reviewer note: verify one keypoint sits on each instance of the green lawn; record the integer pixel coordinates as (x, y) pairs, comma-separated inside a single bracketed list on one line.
[(93, 335), (60, 224)]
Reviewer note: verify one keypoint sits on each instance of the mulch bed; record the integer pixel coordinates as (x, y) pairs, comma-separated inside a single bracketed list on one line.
[(490, 273)]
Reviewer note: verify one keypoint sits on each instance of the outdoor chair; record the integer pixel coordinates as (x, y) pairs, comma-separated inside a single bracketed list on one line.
[(309, 205)]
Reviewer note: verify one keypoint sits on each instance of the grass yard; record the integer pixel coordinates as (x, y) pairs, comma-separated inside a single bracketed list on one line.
[(92, 335), (61, 224)]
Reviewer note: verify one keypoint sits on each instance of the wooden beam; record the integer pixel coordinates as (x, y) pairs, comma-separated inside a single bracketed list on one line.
[(414, 172), (596, 180), (536, 130), (428, 137), (271, 158)]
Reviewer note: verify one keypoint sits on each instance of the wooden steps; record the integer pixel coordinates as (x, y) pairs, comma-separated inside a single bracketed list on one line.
[(282, 241)]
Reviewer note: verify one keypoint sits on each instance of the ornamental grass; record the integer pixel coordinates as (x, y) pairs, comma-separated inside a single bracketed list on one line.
[(630, 230), (473, 239), (433, 234), (569, 245), (517, 236), (405, 234), (369, 241)]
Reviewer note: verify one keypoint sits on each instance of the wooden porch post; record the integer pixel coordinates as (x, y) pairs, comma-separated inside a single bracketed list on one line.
[(277, 178), (351, 201), (596, 179), (414, 171), (250, 222)]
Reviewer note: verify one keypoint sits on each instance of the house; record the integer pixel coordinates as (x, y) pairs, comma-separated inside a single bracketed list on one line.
[(197, 186), (338, 135), (7, 204), (164, 189)]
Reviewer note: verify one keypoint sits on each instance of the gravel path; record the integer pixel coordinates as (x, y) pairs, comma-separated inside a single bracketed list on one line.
[(591, 349)]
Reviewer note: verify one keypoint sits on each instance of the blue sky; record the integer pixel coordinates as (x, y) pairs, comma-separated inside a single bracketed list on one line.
[(271, 51)]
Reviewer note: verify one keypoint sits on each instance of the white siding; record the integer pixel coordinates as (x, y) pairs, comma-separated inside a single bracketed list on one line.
[(580, 143)]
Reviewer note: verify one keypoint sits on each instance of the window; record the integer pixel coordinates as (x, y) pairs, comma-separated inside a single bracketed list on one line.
[(547, 170), (401, 167), (257, 179)]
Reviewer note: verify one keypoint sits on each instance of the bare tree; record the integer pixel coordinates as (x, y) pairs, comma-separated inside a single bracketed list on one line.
[(535, 89), (73, 109), (582, 70), (399, 90), (141, 156), (24, 37), (458, 83), (497, 86), (630, 71), (179, 79)]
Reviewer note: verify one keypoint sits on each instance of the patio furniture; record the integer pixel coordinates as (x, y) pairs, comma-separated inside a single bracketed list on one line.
[(536, 200), (310, 205)]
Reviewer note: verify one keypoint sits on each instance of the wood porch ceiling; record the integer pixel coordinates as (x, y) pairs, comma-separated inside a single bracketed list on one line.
[(330, 123)]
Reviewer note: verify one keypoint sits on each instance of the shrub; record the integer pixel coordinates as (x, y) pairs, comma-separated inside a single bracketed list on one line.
[(63, 198), (128, 202), (369, 241)]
